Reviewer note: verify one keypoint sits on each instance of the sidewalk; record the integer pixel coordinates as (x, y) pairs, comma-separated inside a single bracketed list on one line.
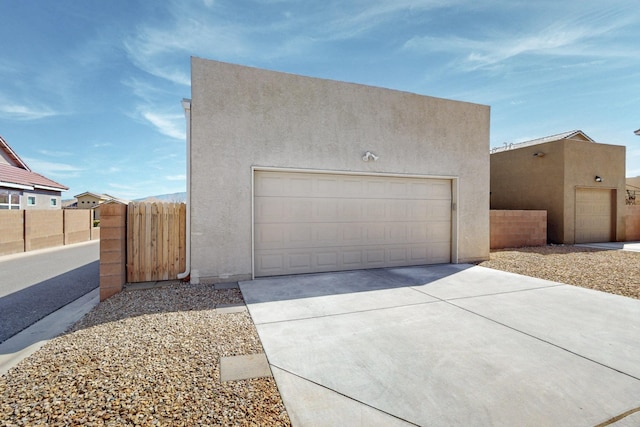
[(27, 342)]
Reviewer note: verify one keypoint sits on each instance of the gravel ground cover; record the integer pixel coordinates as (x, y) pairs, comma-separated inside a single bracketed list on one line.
[(144, 357), (616, 272)]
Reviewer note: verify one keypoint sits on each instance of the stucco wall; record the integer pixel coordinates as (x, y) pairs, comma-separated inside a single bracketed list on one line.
[(243, 117), (42, 199), (632, 223), (633, 182), (583, 163), (520, 180)]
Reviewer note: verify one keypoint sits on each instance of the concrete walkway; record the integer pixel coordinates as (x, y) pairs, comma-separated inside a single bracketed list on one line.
[(622, 246), (448, 345)]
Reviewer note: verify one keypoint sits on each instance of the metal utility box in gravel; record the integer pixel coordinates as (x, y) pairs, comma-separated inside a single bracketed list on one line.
[(291, 174)]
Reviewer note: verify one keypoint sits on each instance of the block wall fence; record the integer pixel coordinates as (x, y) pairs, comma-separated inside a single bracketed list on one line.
[(28, 230), (509, 229), (517, 228), (113, 249), (632, 223)]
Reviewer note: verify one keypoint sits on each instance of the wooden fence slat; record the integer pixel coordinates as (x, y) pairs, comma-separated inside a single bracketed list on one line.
[(156, 236), (166, 241), (181, 232), (130, 246)]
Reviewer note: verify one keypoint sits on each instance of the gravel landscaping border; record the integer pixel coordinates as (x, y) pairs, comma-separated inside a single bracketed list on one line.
[(145, 357), (613, 271), (152, 357)]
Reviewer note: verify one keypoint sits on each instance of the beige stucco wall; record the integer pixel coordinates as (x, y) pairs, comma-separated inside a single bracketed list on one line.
[(519, 180), (633, 183), (42, 199), (88, 201), (584, 162), (243, 117)]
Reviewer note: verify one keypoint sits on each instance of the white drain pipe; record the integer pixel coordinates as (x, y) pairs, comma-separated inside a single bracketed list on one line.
[(186, 104)]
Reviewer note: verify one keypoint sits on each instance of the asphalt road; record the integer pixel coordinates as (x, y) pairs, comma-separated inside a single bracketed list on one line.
[(34, 285)]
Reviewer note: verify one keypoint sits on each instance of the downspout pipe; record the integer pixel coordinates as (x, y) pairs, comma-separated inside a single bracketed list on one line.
[(186, 104)]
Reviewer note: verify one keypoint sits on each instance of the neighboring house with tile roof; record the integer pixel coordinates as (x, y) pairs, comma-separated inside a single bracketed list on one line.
[(579, 182), (21, 188)]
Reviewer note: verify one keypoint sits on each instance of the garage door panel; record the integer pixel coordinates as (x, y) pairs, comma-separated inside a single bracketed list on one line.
[(326, 233), (439, 210), (352, 258), (439, 252), (270, 236), (438, 232), (594, 215), (307, 222), (350, 210), (440, 190), (353, 235)]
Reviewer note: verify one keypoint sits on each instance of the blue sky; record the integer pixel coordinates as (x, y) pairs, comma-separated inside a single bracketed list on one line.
[(90, 90)]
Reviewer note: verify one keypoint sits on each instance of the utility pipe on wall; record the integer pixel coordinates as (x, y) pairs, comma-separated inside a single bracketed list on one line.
[(186, 104)]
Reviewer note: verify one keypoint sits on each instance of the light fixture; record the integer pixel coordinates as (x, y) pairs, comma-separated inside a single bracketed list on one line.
[(538, 154), (598, 178), (369, 156)]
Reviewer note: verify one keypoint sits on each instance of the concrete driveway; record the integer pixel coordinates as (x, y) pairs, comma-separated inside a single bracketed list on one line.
[(448, 345)]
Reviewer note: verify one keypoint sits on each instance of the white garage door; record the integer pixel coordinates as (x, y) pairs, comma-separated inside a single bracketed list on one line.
[(594, 215), (314, 222)]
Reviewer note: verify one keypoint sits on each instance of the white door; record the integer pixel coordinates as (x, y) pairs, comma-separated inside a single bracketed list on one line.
[(315, 222), (594, 215)]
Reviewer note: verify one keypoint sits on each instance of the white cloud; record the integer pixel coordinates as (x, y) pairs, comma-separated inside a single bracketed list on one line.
[(213, 30), (122, 187), (171, 125), (55, 153), (24, 112), (47, 168), (583, 35), (176, 177)]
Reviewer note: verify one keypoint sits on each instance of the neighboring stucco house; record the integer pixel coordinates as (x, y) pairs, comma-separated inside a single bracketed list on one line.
[(291, 174), (88, 200), (21, 188), (633, 190), (580, 183)]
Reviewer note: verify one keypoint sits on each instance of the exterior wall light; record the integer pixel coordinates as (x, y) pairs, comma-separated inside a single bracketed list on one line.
[(598, 178), (369, 156), (538, 154)]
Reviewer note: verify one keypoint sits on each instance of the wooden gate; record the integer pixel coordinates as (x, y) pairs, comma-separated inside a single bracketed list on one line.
[(155, 241)]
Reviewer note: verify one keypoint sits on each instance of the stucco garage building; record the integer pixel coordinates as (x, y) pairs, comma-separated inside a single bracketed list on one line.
[(280, 181), (580, 183)]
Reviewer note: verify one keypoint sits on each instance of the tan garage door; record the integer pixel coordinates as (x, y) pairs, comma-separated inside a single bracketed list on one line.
[(594, 215), (313, 222)]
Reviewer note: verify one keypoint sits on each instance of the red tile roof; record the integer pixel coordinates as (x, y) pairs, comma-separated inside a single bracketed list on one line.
[(15, 175)]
